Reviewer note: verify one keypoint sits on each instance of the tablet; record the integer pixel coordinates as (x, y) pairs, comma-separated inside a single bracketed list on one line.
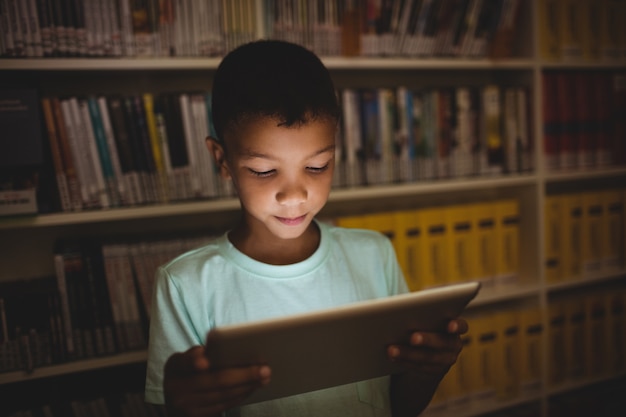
[(331, 347)]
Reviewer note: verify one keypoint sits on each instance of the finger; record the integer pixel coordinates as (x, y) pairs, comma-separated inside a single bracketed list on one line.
[(422, 360), (458, 326), (193, 360), (436, 341)]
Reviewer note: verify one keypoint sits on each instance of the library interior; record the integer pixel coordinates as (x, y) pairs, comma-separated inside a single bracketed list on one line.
[(485, 138)]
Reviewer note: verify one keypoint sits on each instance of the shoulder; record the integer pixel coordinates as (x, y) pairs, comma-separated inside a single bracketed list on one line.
[(192, 262), (355, 236)]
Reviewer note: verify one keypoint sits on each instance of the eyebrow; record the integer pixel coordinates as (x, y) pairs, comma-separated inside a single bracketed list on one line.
[(249, 154)]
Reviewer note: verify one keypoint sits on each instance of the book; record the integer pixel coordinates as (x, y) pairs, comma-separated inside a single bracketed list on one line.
[(570, 24), (484, 329), (509, 354), (502, 39), (575, 333), (602, 100), (23, 152), (507, 230), (121, 134), (571, 213), (565, 103), (57, 158), (446, 124), (589, 29), (465, 133), (613, 233), (553, 225), (87, 135), (160, 175), (592, 232), (557, 343), (484, 227), (492, 114), (619, 116), (531, 344), (407, 239), (548, 19), (615, 302), (354, 148), (584, 119), (71, 172), (596, 345), (433, 257), (405, 158), (551, 125), (460, 243)]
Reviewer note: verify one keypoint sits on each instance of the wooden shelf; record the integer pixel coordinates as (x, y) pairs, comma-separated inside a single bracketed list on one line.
[(126, 358)]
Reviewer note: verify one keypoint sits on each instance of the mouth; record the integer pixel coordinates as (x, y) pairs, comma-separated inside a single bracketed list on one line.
[(291, 221)]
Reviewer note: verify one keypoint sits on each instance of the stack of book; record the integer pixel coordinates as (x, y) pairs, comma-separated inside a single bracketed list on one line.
[(447, 244), (451, 28)]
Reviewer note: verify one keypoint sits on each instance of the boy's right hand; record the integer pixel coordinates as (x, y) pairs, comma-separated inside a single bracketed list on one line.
[(192, 388)]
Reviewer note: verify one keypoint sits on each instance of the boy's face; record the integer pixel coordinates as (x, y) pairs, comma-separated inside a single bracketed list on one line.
[(283, 175)]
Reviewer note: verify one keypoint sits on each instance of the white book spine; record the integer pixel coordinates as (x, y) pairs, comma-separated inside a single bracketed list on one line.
[(77, 157), (120, 184), (189, 140), (89, 140)]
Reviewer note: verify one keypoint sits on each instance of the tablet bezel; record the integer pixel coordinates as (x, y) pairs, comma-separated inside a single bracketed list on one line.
[(302, 350)]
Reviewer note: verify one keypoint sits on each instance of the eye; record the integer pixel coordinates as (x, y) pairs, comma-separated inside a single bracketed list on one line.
[(261, 174), (317, 170)]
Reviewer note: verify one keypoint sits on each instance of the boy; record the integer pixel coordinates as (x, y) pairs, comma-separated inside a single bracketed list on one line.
[(275, 113)]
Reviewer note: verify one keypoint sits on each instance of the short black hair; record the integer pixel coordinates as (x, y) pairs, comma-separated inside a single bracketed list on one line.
[(271, 78)]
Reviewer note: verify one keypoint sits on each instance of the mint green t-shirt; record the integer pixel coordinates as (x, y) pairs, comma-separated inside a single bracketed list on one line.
[(218, 285)]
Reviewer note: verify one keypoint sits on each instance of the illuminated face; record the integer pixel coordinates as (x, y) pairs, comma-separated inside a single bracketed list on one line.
[(282, 175)]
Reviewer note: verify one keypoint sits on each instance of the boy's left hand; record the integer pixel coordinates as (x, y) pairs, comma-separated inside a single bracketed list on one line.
[(430, 354)]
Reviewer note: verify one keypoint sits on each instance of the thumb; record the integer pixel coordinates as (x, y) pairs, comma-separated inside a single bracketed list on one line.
[(193, 360)]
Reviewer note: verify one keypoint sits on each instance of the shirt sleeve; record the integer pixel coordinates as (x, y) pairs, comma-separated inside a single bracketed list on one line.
[(170, 332)]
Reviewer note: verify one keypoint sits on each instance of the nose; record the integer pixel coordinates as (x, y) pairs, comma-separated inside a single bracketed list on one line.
[(292, 194)]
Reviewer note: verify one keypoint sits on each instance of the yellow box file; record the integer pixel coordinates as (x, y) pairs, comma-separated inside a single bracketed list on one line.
[(383, 222), (571, 236), (592, 232), (433, 256), (461, 382), (576, 336), (485, 331), (557, 365), (508, 353), (613, 216), (570, 24), (483, 216), (460, 243), (531, 357), (590, 29), (549, 33), (507, 241), (408, 238), (597, 341), (354, 221), (616, 331), (553, 222)]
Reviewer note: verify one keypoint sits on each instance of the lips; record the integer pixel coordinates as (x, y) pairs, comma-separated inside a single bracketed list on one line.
[(291, 221)]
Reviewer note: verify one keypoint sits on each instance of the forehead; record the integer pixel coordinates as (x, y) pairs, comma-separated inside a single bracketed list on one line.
[(264, 135)]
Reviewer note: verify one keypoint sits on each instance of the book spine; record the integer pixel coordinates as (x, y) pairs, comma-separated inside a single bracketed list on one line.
[(104, 156), (119, 183), (55, 148), (87, 134), (155, 146)]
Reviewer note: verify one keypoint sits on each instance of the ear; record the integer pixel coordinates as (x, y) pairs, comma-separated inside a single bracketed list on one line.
[(219, 156)]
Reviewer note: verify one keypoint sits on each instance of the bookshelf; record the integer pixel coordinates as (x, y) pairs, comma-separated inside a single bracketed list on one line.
[(27, 242)]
